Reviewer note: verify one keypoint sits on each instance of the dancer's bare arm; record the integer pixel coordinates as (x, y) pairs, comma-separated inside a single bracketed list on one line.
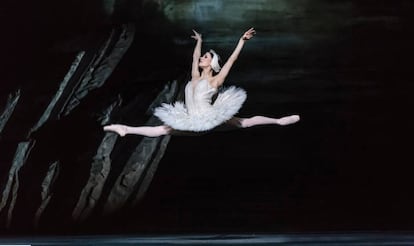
[(195, 73), (221, 76)]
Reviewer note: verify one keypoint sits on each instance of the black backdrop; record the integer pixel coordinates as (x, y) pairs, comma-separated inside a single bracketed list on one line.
[(347, 165)]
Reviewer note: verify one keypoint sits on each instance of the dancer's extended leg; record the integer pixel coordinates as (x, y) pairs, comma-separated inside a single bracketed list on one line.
[(262, 120), (148, 131)]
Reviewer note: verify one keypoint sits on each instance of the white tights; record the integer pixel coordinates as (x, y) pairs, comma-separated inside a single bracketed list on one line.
[(262, 120), (148, 131), (156, 131)]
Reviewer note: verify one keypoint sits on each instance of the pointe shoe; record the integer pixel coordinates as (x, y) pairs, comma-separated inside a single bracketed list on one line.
[(119, 129), (288, 120)]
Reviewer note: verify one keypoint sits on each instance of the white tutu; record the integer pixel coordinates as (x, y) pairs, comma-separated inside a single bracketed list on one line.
[(198, 113)]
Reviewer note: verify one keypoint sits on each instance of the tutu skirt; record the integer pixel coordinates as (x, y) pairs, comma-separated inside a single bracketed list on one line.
[(198, 113)]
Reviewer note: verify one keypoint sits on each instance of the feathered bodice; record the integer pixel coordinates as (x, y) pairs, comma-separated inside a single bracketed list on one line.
[(198, 96)]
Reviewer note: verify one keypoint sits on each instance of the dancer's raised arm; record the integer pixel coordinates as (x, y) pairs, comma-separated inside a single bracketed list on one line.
[(221, 76), (195, 73)]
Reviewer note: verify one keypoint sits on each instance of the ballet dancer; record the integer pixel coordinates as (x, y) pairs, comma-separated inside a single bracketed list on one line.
[(198, 113)]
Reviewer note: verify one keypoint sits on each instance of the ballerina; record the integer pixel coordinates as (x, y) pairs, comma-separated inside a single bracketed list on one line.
[(199, 113)]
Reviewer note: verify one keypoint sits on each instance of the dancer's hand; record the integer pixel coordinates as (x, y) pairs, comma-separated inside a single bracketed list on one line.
[(196, 36), (249, 34)]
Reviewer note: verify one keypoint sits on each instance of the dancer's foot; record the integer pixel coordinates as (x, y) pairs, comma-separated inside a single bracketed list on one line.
[(288, 120), (120, 129)]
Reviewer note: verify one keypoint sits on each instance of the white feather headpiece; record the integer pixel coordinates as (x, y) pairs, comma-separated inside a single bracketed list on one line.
[(215, 61)]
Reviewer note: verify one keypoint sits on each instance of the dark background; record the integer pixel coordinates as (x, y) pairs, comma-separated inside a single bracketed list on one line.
[(343, 66)]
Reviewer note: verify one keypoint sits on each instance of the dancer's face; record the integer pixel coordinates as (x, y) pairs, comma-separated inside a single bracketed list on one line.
[(205, 60)]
